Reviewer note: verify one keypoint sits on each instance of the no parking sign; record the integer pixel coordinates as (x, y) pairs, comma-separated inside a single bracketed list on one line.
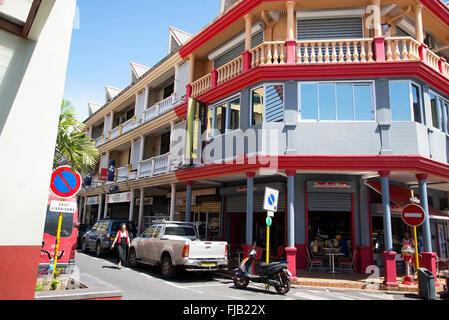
[(65, 182)]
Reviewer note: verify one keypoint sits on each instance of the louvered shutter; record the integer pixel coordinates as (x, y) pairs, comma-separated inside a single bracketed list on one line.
[(237, 51), (334, 28), (182, 80), (335, 202), (136, 154), (140, 106), (107, 125), (228, 4), (238, 203)]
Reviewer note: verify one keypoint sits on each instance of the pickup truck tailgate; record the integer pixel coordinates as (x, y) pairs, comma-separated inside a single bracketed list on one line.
[(207, 250)]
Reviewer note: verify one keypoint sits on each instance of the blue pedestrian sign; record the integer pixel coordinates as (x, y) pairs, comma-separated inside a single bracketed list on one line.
[(271, 200)]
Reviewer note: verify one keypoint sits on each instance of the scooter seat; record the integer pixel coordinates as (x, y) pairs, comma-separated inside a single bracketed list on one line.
[(265, 265)]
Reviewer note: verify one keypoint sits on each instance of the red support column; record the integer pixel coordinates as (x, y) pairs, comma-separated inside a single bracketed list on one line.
[(246, 65), (365, 258), (188, 92), (301, 256), (423, 52), (379, 48), (429, 261), (214, 79), (390, 269), (291, 260), (442, 66), (291, 51)]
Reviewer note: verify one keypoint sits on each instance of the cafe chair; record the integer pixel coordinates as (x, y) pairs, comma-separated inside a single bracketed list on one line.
[(314, 262), (280, 254), (349, 264)]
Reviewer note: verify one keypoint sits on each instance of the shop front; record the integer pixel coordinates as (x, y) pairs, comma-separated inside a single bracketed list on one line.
[(118, 205), (330, 214), (235, 217), (92, 206), (205, 210)]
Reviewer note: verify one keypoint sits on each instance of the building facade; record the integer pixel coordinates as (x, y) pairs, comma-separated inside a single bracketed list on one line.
[(341, 106)]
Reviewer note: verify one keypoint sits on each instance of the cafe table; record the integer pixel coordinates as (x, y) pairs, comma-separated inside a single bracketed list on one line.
[(332, 253)]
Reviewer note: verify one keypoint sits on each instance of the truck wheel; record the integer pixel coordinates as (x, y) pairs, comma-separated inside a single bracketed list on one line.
[(98, 250), (167, 268), (84, 246), (132, 259)]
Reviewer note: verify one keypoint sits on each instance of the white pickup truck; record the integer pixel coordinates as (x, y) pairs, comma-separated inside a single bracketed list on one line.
[(175, 245)]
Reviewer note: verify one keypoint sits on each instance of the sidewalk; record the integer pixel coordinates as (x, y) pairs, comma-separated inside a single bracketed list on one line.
[(353, 281)]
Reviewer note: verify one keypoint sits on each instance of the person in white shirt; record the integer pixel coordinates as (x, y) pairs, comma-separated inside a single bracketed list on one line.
[(122, 238)]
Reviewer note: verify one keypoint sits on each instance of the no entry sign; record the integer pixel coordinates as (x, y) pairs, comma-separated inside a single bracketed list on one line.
[(413, 215), (65, 182)]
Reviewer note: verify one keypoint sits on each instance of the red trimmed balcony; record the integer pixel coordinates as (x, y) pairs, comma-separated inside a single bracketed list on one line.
[(322, 52)]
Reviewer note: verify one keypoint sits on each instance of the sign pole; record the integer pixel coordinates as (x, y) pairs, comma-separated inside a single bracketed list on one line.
[(58, 236), (416, 241), (268, 241)]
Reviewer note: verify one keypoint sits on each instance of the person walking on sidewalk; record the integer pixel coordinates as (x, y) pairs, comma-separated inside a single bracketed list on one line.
[(122, 238)]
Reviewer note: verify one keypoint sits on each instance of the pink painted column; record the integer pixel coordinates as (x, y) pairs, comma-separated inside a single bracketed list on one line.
[(291, 51), (379, 48), (423, 52), (291, 260), (429, 261), (301, 256), (365, 258), (442, 66), (188, 92), (214, 79), (247, 57), (390, 269)]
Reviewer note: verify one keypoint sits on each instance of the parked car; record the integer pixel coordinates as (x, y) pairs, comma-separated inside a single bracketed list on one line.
[(175, 245), (67, 241), (102, 235), (82, 228)]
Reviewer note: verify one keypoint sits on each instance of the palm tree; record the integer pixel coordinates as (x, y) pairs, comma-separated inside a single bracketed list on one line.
[(72, 144)]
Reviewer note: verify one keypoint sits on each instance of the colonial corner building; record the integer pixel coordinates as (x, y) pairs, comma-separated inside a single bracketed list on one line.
[(342, 106)]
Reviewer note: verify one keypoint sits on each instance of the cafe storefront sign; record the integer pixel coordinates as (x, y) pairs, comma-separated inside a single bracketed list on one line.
[(118, 197), (331, 186), (91, 201)]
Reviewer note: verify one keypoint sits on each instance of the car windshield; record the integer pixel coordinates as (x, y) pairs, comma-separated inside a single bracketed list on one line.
[(117, 224), (185, 231), (51, 224)]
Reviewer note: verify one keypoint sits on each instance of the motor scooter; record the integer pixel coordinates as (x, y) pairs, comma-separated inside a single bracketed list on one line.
[(273, 274)]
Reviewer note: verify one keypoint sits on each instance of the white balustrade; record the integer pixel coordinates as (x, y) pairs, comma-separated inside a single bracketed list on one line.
[(129, 125), (166, 105), (145, 168), (122, 174), (161, 164), (114, 133)]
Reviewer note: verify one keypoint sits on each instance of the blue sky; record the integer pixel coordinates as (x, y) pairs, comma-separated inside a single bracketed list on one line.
[(113, 33)]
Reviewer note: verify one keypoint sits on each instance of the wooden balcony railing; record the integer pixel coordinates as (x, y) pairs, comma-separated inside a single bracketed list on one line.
[(401, 49), (201, 85), (229, 70)]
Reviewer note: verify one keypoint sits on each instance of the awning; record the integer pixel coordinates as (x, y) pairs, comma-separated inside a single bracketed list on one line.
[(400, 196)]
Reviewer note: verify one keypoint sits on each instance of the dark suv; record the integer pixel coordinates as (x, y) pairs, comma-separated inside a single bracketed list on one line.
[(103, 233)]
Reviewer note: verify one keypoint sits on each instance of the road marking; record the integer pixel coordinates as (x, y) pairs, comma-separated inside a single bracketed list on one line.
[(343, 296), (206, 285), (181, 287), (310, 296), (377, 296)]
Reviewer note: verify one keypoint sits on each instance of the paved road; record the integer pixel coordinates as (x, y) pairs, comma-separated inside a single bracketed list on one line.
[(146, 283)]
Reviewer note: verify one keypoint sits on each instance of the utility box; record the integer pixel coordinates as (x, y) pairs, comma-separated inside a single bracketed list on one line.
[(426, 283)]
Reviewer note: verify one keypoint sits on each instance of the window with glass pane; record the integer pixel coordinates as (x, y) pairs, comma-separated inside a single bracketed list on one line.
[(235, 114), (210, 123), (442, 114), (257, 106), (274, 109), (309, 101), (433, 107), (446, 107), (220, 118), (400, 101), (363, 102), (327, 102), (345, 102), (417, 111)]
